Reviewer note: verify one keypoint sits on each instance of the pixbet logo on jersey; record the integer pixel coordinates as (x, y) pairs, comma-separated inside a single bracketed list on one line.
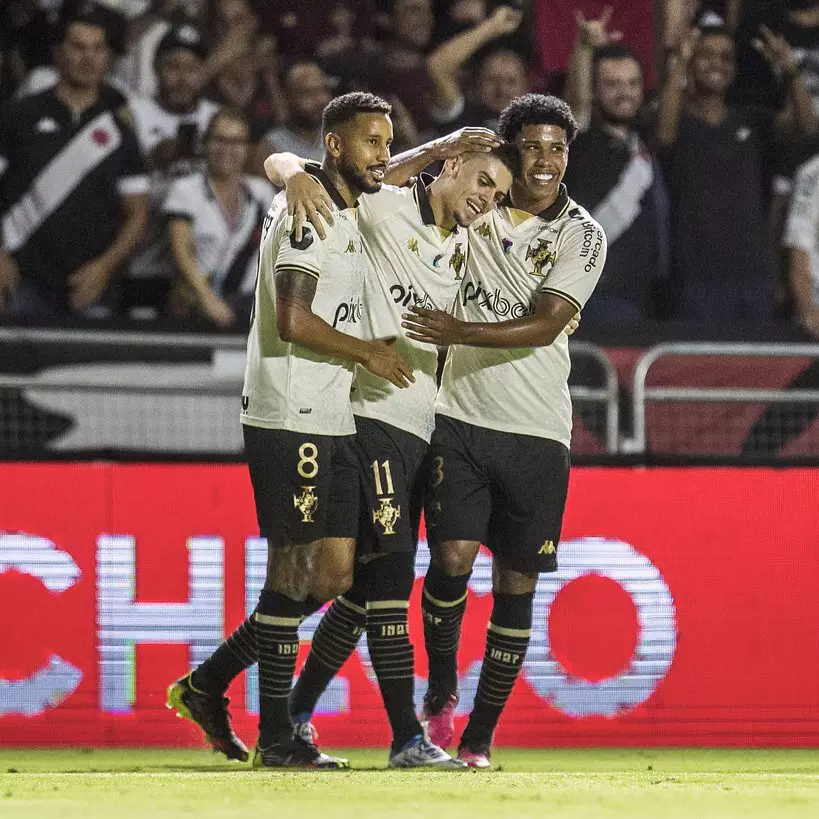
[(494, 301)]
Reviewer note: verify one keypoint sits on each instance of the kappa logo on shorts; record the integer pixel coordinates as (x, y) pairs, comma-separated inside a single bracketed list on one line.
[(306, 504), (387, 515), (548, 548)]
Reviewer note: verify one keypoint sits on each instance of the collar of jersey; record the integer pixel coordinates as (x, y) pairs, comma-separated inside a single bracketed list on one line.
[(422, 198), (558, 207), (314, 169)]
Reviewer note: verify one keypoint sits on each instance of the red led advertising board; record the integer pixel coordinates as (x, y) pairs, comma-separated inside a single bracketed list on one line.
[(685, 610)]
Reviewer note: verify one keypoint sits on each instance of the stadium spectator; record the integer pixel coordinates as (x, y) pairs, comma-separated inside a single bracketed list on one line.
[(137, 67), (615, 176), (396, 65), (783, 422), (307, 92), (248, 80), (797, 21), (802, 242), (554, 30), (501, 75), (214, 227), (169, 129), (715, 157), (73, 190)]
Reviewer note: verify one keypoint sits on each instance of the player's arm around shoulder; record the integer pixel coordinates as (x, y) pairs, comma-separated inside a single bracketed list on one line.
[(298, 267)]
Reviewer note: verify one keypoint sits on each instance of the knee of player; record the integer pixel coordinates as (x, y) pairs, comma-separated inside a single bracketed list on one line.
[(455, 557), (509, 581), (330, 584)]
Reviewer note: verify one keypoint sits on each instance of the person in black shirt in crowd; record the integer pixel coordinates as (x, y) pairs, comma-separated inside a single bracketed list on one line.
[(615, 176), (500, 77), (70, 169), (715, 156)]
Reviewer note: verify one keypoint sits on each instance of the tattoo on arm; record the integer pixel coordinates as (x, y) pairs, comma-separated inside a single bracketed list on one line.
[(295, 289)]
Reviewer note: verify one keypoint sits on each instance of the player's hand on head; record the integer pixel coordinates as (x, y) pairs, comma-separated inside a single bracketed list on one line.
[(384, 361), (308, 201), (465, 140), (572, 326), (432, 326)]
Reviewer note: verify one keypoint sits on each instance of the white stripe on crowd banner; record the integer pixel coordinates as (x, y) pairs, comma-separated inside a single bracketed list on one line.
[(617, 211), (97, 141)]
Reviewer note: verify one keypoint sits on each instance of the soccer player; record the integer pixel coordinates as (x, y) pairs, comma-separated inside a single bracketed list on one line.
[(499, 457), (298, 429), (417, 242)]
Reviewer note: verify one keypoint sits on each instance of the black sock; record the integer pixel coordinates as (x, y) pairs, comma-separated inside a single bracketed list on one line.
[(277, 620), (443, 604), (236, 654), (507, 639), (311, 606), (335, 640), (391, 651)]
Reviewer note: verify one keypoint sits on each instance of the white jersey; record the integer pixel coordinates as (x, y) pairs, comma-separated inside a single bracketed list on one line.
[(153, 123), (227, 254), (513, 257), (412, 261), (288, 386), (802, 229)]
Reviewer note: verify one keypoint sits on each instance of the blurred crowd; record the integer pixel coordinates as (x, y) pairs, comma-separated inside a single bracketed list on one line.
[(133, 133)]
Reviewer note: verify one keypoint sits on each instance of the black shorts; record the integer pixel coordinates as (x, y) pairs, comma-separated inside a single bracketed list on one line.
[(305, 485), (501, 489), (389, 463)]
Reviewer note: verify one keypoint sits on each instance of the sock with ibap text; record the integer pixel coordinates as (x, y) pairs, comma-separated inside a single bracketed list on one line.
[(507, 639), (443, 604)]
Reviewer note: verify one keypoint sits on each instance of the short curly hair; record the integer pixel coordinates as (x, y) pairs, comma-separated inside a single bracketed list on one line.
[(536, 109), (342, 109)]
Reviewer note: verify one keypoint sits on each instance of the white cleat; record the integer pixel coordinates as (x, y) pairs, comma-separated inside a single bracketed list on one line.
[(419, 752)]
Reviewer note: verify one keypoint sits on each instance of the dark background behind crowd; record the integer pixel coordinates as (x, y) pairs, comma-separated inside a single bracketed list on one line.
[(133, 133)]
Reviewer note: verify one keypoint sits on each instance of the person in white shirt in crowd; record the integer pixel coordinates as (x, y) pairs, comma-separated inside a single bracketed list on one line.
[(169, 128), (214, 225), (782, 423)]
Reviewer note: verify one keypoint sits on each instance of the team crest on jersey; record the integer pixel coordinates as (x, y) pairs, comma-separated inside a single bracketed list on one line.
[(306, 503), (457, 260), (412, 246), (483, 230), (387, 515), (541, 256)]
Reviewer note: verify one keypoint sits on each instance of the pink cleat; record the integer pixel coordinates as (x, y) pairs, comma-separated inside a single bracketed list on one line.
[(439, 720), (475, 759)]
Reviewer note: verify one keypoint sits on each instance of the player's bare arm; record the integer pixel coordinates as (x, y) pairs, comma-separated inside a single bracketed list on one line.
[(552, 315), (410, 163), (297, 323), (306, 196)]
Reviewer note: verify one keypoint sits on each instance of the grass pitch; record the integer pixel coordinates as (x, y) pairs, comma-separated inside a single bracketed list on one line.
[(565, 784)]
